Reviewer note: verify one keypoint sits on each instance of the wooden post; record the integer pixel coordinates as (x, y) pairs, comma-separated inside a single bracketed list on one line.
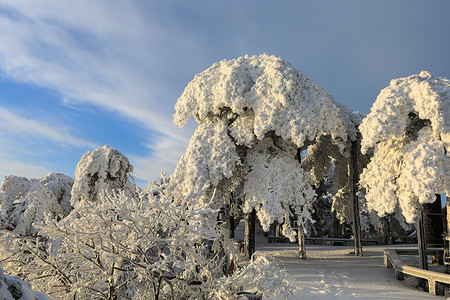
[(422, 243), (433, 223), (352, 183), (447, 237), (249, 240)]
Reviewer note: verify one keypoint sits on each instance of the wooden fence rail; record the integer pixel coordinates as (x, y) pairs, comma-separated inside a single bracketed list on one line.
[(436, 280)]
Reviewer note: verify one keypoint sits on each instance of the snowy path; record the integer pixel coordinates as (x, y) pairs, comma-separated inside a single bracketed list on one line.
[(334, 273)]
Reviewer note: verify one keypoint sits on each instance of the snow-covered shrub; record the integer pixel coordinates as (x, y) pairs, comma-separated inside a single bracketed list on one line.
[(145, 247), (23, 204), (12, 287), (103, 169), (409, 129), (262, 275)]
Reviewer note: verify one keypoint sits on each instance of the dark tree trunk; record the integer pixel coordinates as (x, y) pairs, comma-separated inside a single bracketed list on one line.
[(421, 242), (387, 237), (230, 226), (249, 240), (301, 240), (352, 183), (300, 228)]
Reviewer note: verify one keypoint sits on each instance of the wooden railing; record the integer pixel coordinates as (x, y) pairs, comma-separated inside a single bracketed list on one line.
[(436, 280), (324, 241)]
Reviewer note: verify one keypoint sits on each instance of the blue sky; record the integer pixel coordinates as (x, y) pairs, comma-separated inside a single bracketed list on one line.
[(76, 75)]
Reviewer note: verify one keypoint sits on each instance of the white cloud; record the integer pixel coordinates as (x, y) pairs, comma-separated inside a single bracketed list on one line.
[(166, 153), (16, 124)]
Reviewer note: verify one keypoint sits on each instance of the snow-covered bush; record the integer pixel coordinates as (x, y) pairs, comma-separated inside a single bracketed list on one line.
[(120, 246), (409, 129), (240, 104), (103, 169), (23, 204), (145, 247), (12, 287), (262, 275)]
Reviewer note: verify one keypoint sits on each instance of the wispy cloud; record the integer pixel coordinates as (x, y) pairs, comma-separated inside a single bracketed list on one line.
[(161, 160), (18, 168), (20, 125)]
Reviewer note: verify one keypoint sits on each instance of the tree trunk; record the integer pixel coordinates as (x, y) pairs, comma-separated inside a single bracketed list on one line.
[(421, 242), (229, 221), (300, 228), (249, 240), (301, 239), (231, 226), (337, 226), (352, 183), (387, 238)]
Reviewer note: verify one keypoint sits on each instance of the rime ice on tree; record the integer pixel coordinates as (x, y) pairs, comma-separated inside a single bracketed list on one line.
[(409, 128), (254, 114)]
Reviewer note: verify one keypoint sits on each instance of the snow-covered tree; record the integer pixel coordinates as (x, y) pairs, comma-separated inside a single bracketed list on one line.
[(409, 130), (102, 170), (254, 113), (24, 202)]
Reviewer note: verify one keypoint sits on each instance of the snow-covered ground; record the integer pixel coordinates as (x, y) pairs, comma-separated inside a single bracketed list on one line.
[(333, 272)]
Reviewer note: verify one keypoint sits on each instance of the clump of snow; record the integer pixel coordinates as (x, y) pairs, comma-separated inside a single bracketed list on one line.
[(24, 204), (103, 169), (261, 274), (276, 186), (410, 131), (210, 156), (12, 287)]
